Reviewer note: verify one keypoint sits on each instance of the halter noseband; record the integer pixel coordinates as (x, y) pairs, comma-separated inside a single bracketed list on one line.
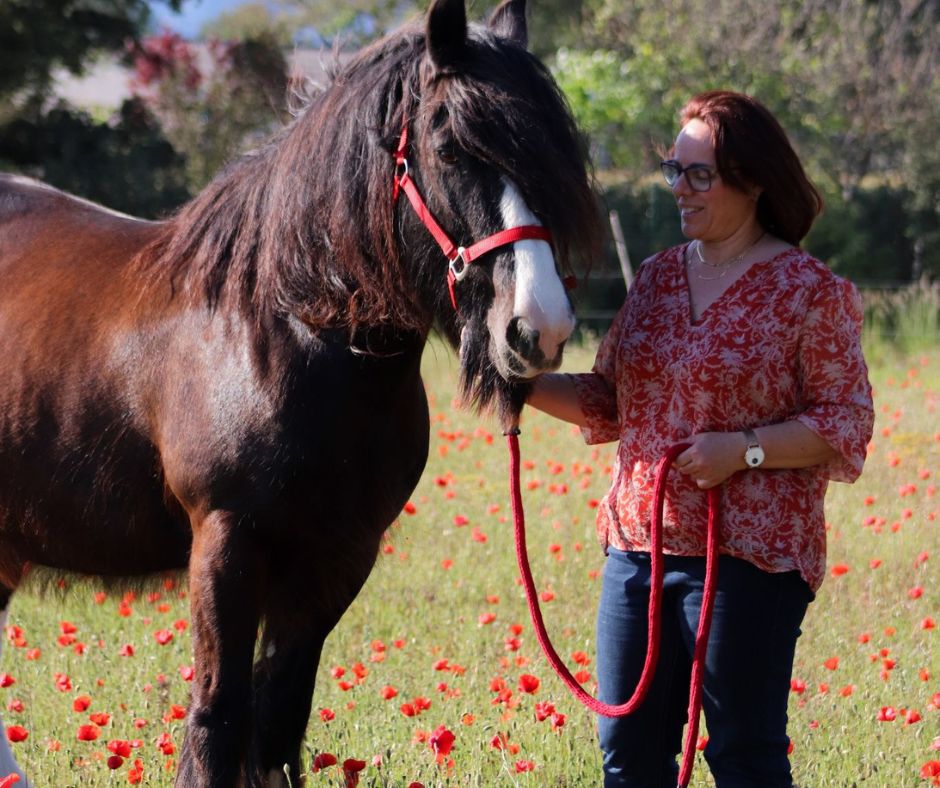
[(458, 257)]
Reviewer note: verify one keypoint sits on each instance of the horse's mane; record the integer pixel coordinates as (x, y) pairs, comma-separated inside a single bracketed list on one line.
[(306, 224)]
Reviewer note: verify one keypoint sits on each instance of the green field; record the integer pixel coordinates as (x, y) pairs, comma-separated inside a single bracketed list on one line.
[(440, 635)]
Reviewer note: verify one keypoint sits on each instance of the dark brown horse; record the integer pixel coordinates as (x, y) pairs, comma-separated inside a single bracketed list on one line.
[(236, 390)]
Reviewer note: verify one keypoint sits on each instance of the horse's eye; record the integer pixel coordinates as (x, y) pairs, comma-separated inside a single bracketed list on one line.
[(447, 155)]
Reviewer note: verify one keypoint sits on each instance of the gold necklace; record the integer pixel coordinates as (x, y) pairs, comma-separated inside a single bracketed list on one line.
[(725, 266)]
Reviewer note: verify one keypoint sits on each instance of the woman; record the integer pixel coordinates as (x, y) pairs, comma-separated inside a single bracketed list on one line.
[(742, 345)]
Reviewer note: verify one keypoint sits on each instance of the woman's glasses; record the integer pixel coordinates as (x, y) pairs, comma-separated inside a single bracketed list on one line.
[(698, 176)]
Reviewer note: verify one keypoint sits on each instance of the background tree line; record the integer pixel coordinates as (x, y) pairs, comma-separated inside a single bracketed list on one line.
[(856, 83)]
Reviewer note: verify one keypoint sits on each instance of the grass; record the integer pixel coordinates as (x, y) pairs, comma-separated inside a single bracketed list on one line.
[(443, 621)]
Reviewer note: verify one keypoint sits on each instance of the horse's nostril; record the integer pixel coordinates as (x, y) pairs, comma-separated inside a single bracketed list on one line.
[(522, 338)]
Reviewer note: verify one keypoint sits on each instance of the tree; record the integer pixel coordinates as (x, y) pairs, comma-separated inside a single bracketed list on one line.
[(854, 82), (38, 36), (209, 116), (251, 21), (125, 163)]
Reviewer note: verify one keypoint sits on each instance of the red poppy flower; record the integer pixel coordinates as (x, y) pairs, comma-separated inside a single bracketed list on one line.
[(88, 732), (441, 742), (163, 636), (9, 781), (544, 710), (528, 683), (100, 718), (120, 747), (327, 715), (17, 733), (135, 774), (351, 769), (323, 761), (165, 744), (832, 663), (6, 680), (524, 766), (887, 714), (387, 692)]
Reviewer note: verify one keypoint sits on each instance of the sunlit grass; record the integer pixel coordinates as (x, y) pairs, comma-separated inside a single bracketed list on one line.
[(436, 619)]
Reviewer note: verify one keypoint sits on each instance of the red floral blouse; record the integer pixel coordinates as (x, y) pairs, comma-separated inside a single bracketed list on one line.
[(781, 343)]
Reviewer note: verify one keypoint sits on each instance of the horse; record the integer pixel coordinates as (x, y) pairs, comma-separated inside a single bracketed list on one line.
[(235, 391)]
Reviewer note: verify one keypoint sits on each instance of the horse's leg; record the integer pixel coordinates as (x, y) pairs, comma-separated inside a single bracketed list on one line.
[(284, 679), (290, 654), (225, 581), (7, 761)]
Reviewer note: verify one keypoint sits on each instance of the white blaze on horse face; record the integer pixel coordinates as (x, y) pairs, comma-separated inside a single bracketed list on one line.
[(540, 298), (7, 761)]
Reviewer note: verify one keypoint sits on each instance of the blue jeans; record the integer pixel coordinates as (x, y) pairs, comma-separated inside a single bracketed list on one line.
[(755, 626)]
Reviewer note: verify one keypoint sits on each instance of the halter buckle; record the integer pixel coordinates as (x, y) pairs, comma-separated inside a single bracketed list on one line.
[(401, 168), (458, 264)]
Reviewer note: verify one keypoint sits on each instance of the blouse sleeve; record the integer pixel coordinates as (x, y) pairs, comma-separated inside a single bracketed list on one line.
[(834, 378), (597, 390)]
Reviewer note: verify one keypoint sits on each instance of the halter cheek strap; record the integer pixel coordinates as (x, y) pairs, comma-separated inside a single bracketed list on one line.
[(458, 257)]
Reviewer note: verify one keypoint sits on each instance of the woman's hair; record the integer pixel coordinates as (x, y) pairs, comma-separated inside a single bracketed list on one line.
[(752, 149)]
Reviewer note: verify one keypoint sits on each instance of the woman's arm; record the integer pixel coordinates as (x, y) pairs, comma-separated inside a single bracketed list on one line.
[(555, 394), (714, 456)]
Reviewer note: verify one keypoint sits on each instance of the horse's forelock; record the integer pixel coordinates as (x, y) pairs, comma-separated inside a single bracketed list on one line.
[(507, 111)]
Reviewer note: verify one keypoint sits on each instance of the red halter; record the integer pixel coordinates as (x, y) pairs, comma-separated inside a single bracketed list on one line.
[(458, 257)]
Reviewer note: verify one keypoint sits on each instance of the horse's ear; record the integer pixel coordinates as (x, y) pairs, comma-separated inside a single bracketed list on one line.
[(508, 21), (447, 32)]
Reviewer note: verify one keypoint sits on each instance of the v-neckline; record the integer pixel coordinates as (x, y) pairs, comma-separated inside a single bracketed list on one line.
[(687, 287)]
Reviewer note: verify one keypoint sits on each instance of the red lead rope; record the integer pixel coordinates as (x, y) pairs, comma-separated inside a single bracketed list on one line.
[(656, 587)]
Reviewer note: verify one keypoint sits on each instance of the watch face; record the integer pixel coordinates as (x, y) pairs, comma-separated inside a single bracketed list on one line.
[(754, 456)]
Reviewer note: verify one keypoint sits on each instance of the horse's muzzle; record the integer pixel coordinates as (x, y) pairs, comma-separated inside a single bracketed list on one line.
[(531, 351)]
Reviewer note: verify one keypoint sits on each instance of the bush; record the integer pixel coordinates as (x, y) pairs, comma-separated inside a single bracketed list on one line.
[(125, 163)]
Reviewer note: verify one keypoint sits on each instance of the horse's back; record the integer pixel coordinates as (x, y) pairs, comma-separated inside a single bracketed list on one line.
[(40, 223)]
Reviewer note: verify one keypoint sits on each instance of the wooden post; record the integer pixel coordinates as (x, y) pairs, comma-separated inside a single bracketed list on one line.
[(622, 254)]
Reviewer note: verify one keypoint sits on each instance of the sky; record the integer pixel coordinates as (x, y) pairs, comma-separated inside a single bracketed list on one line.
[(193, 14)]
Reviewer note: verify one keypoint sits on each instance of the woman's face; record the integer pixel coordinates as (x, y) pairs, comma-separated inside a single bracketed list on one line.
[(718, 213)]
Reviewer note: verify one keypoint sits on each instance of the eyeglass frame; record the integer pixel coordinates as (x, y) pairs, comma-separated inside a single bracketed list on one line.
[(680, 171)]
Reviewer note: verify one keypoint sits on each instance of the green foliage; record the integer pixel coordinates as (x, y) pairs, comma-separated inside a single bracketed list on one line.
[(37, 36), (854, 84), (250, 21), (125, 163), (209, 117), (904, 321)]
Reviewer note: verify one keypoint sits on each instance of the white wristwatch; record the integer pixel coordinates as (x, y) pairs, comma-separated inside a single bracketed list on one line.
[(754, 455)]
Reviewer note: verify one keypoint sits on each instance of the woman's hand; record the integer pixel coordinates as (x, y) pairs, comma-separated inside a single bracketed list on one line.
[(712, 457)]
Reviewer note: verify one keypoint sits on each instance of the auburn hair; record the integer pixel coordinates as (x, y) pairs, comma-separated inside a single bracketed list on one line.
[(752, 149)]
